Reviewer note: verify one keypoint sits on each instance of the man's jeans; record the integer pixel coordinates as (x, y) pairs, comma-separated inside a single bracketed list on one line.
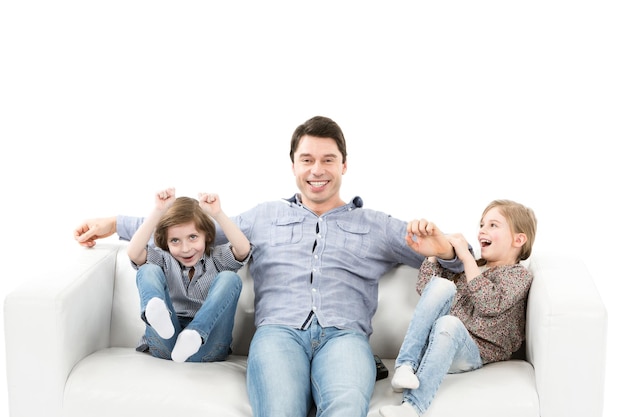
[(214, 321), (290, 370)]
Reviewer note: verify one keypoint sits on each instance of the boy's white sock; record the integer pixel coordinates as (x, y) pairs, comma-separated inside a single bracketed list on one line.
[(404, 410), (158, 316), (404, 377), (188, 343)]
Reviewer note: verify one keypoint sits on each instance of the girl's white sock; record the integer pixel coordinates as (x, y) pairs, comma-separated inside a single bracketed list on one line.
[(403, 378)]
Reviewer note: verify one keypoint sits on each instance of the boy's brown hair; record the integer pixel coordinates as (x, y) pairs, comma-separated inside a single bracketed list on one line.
[(185, 210)]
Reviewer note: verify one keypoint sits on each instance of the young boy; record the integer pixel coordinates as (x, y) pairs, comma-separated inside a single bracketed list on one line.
[(188, 288)]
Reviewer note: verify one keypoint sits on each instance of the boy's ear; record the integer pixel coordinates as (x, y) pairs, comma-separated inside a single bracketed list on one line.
[(519, 239)]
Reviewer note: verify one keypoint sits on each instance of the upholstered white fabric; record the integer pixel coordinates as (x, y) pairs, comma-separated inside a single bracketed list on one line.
[(70, 338)]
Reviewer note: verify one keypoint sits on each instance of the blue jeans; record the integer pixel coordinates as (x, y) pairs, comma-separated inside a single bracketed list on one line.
[(214, 321), (290, 369), (435, 344)]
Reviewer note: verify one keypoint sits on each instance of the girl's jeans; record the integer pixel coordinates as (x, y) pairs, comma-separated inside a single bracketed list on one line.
[(214, 321), (289, 369), (435, 344)]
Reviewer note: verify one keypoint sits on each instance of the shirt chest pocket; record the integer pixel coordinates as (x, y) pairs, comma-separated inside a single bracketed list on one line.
[(287, 230), (355, 238)]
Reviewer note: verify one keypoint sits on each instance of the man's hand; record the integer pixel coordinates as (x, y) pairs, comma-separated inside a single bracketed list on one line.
[(425, 238), (91, 230)]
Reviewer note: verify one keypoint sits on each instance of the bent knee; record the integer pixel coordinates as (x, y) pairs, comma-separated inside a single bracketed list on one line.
[(147, 267), (230, 278), (443, 287), (448, 324), (149, 271)]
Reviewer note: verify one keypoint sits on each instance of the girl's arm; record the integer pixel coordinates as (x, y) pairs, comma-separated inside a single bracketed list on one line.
[(461, 247)]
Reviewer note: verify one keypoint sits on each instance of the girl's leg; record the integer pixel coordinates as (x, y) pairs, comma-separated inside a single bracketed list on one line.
[(435, 301), (450, 349)]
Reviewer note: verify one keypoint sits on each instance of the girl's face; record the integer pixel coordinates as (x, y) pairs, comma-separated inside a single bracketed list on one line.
[(498, 245), (185, 243)]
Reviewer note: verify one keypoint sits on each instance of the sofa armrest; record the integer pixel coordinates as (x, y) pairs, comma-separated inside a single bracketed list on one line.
[(566, 336), (53, 321)]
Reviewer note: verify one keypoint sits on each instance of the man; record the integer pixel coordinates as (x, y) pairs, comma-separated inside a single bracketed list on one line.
[(316, 265)]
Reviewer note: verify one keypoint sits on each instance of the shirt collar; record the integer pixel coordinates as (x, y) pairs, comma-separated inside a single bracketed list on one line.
[(199, 266), (356, 202)]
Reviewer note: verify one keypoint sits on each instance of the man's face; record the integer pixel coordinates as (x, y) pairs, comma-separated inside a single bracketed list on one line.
[(318, 167)]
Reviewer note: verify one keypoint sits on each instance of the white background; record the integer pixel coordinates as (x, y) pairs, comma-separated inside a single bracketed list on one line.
[(445, 107)]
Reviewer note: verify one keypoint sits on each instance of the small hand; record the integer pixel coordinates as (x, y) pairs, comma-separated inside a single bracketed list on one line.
[(461, 247), (164, 199), (210, 203)]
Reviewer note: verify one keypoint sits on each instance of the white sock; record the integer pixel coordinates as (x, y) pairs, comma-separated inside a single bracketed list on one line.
[(188, 343), (404, 377), (158, 316), (403, 410)]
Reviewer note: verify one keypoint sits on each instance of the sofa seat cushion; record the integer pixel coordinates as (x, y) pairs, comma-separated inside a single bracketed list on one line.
[(495, 390), (123, 382)]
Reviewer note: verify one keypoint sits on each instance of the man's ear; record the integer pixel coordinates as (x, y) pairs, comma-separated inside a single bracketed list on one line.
[(519, 239)]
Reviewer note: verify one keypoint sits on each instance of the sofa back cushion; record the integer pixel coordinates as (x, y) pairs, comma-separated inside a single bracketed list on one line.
[(126, 325), (397, 298)]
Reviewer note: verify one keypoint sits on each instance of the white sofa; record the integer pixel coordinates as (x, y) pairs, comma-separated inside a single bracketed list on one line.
[(71, 333)]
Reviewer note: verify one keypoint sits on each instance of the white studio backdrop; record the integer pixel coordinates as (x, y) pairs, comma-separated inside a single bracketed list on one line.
[(445, 107)]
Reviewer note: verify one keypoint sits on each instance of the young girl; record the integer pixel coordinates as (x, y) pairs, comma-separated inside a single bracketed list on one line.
[(188, 289), (465, 321)]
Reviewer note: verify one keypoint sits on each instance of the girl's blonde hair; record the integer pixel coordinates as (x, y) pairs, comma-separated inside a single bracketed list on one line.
[(185, 210), (521, 219)]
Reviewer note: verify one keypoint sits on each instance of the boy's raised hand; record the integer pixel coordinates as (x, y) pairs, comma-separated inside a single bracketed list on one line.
[(164, 199), (210, 203)]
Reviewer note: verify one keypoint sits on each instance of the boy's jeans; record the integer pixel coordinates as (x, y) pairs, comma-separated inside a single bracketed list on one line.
[(214, 321)]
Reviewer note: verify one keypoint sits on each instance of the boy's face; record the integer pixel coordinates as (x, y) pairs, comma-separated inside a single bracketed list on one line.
[(318, 168), (185, 243)]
